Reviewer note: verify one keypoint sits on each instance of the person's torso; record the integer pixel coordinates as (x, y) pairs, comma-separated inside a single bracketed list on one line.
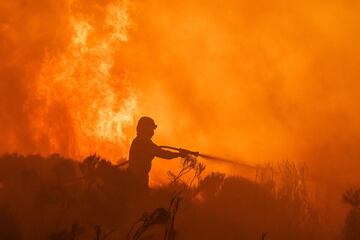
[(142, 152)]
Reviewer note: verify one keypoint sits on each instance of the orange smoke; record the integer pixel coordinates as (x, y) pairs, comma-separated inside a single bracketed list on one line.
[(257, 82), (252, 81)]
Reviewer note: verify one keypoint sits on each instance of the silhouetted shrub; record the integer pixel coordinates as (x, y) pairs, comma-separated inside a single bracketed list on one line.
[(352, 222), (46, 195), (9, 229)]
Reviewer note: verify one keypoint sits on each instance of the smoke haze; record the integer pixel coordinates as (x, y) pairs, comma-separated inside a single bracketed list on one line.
[(251, 81), (255, 82)]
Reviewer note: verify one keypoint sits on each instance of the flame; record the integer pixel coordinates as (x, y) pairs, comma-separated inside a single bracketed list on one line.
[(80, 86)]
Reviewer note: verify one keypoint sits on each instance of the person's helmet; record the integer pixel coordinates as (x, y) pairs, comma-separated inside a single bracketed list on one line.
[(145, 123)]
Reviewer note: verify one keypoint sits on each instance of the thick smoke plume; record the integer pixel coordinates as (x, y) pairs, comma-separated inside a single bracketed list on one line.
[(254, 81)]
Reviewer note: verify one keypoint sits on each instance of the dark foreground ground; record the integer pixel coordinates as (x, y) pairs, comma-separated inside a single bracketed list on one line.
[(62, 199)]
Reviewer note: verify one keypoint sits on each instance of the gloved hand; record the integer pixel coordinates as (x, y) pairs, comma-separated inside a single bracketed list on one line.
[(183, 153)]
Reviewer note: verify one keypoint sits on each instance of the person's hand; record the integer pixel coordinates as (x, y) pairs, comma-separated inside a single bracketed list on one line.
[(183, 153)]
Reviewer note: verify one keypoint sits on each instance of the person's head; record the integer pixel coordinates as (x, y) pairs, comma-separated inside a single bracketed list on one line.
[(145, 127)]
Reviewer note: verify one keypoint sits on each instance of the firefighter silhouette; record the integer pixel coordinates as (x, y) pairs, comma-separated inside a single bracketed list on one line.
[(143, 150)]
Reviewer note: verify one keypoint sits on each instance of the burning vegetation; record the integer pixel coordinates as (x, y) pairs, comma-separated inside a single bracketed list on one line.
[(61, 56)]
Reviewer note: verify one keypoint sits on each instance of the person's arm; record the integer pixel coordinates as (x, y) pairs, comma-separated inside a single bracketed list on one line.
[(165, 154)]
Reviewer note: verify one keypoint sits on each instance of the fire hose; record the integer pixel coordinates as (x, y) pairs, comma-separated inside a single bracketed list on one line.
[(209, 157)]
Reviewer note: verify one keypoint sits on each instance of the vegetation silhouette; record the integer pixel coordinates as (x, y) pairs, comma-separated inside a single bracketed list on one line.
[(352, 221), (60, 198)]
